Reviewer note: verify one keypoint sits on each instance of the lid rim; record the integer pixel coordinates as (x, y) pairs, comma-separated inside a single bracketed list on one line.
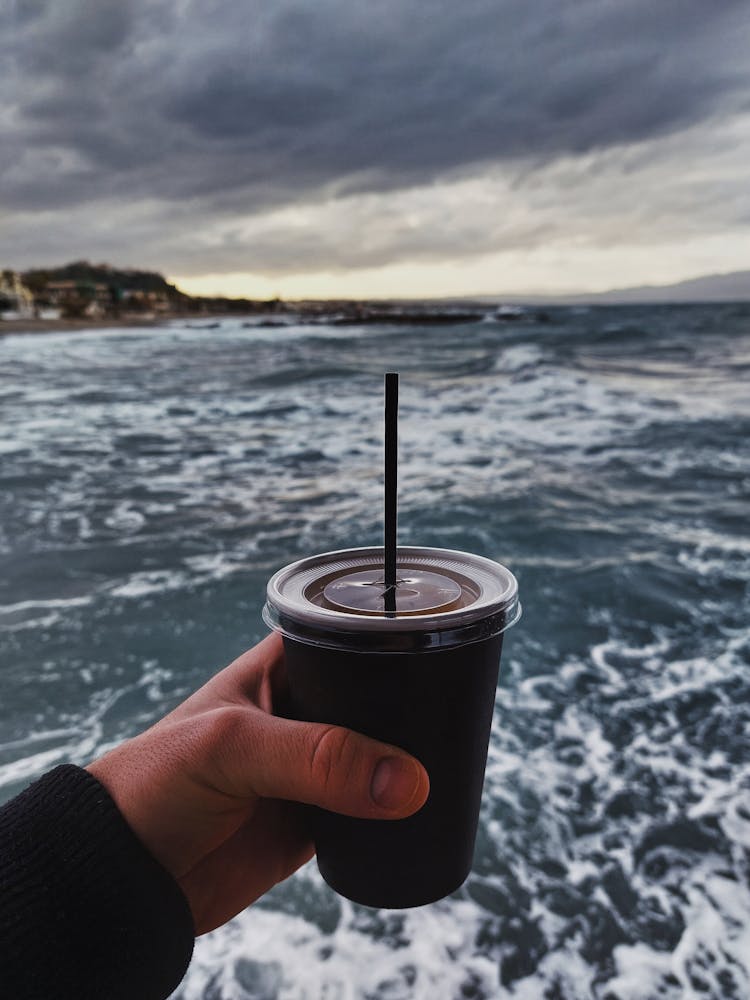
[(313, 616), (385, 642)]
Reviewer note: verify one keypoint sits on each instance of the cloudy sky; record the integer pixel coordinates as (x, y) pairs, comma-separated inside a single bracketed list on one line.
[(389, 147)]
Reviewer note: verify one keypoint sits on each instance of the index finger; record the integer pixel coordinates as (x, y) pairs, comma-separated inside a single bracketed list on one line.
[(256, 676)]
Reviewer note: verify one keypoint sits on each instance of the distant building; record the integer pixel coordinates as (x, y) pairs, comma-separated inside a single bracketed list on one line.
[(138, 300), (16, 301), (78, 298), (64, 292), (59, 292)]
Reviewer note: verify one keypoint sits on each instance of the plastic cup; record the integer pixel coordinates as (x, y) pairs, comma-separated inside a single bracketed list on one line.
[(423, 679)]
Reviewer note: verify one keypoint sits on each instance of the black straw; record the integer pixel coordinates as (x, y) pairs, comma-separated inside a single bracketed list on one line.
[(391, 489)]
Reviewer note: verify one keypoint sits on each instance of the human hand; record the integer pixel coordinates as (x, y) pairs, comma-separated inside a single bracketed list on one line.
[(211, 789)]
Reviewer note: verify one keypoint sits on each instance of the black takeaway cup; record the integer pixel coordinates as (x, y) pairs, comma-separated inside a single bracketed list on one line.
[(422, 677)]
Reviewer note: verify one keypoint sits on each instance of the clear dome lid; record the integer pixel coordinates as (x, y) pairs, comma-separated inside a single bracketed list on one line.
[(442, 598)]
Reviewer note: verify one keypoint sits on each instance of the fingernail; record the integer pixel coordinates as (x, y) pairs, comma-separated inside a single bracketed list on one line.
[(394, 782)]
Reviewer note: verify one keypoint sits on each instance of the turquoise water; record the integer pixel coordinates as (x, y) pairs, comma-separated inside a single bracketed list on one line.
[(152, 480)]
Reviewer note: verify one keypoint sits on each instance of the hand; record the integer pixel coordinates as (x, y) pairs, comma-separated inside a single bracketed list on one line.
[(210, 790)]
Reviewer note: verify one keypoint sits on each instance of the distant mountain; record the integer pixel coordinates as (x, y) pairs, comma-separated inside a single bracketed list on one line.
[(731, 287)]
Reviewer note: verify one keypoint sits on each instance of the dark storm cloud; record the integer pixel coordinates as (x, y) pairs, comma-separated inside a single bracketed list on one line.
[(241, 105)]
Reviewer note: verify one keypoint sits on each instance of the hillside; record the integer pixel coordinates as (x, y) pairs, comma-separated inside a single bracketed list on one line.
[(84, 273)]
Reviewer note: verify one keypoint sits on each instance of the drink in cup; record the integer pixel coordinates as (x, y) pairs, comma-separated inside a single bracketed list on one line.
[(413, 665)]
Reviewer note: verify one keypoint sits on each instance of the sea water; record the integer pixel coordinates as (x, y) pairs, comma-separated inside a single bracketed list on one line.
[(152, 480)]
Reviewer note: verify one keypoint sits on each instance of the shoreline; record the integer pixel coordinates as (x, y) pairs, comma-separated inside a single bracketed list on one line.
[(16, 326)]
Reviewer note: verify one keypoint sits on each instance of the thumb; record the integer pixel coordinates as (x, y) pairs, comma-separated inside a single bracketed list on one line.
[(326, 766)]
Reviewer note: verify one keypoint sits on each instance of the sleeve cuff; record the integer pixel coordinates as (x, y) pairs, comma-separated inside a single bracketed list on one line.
[(85, 910)]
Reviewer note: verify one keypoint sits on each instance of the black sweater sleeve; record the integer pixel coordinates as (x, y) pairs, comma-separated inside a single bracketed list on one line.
[(86, 913)]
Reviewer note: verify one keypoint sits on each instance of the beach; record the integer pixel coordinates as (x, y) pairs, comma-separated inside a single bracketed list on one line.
[(11, 326)]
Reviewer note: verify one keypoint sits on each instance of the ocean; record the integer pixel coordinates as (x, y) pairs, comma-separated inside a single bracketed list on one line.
[(152, 480)]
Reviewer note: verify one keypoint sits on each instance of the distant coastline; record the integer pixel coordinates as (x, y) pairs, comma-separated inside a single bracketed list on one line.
[(83, 296), (84, 292)]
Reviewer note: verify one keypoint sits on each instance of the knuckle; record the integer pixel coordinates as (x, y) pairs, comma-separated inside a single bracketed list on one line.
[(224, 725), (224, 731), (331, 757), (225, 738)]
